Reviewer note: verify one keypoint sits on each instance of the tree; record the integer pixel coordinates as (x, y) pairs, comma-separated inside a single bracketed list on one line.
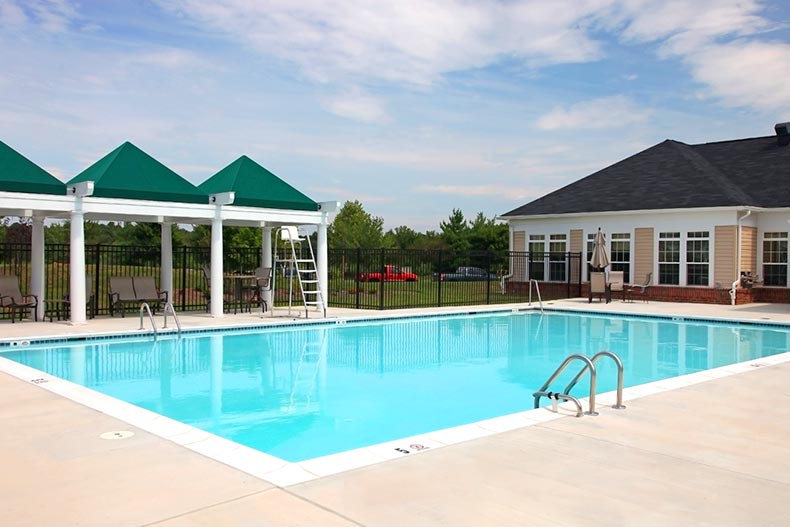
[(353, 228), (402, 237), (19, 232), (488, 235), (455, 232)]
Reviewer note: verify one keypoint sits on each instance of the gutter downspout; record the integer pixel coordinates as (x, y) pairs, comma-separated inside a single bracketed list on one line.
[(738, 277)]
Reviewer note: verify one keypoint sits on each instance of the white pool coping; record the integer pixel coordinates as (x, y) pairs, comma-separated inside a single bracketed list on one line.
[(283, 473)]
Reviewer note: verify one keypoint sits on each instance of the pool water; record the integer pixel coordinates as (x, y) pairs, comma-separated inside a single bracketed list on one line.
[(302, 392)]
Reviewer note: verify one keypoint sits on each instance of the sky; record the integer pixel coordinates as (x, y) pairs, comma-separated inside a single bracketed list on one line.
[(413, 107)]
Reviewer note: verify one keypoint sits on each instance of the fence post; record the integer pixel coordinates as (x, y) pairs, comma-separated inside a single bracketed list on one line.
[(96, 280), (439, 280), (382, 282), (568, 268), (183, 278), (488, 277), (356, 277)]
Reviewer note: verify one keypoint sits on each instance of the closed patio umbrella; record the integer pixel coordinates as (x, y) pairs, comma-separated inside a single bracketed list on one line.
[(599, 259)]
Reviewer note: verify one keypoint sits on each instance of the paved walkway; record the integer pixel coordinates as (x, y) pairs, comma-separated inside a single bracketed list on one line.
[(714, 453)]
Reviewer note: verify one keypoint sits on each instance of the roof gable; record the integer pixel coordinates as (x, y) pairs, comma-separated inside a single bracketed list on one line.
[(129, 173), (19, 174), (256, 187)]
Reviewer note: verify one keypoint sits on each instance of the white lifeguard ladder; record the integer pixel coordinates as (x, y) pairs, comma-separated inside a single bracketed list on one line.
[(300, 263)]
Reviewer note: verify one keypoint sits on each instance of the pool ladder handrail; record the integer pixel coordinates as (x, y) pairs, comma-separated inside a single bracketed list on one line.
[(537, 288), (593, 378), (169, 305), (144, 307), (589, 365), (620, 374)]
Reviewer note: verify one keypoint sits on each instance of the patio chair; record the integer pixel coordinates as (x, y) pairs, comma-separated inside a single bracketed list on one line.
[(641, 289), (12, 298), (121, 294), (616, 284), (263, 282), (145, 290), (228, 297), (598, 286), (65, 303)]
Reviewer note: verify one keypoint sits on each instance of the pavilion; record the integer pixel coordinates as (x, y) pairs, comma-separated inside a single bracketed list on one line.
[(129, 185)]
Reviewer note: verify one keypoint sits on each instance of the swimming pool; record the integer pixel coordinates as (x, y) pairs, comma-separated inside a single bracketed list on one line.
[(300, 392)]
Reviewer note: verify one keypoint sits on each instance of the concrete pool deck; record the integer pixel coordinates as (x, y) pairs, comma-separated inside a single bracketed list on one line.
[(714, 453)]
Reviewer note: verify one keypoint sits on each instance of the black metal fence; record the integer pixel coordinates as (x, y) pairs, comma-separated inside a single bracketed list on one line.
[(394, 278), (358, 278)]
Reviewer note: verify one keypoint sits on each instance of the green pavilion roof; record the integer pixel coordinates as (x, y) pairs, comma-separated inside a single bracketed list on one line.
[(19, 174), (129, 173), (256, 187)]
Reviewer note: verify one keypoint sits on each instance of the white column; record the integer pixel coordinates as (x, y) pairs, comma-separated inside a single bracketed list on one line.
[(266, 260), (217, 282), (166, 276), (323, 265), (77, 267), (38, 275)]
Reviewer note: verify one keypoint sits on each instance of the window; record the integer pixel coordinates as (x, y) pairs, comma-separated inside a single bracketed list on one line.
[(557, 258), (775, 258), (698, 258), (621, 255), (537, 247), (669, 258)]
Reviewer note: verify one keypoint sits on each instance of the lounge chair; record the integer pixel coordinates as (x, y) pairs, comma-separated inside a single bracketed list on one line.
[(145, 290), (598, 286), (616, 284), (121, 293), (641, 289), (12, 298)]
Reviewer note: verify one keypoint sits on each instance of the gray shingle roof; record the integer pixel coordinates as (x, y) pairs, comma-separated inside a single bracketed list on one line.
[(672, 175)]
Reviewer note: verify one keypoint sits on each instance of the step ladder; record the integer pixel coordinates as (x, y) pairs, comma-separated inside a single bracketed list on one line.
[(306, 375), (299, 261)]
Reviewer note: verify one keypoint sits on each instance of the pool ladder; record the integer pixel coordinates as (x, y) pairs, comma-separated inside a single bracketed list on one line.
[(146, 309), (589, 364)]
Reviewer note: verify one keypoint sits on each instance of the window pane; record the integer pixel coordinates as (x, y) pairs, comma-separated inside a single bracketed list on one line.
[(669, 274)]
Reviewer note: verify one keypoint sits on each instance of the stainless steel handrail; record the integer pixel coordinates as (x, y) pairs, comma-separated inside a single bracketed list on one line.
[(169, 305), (537, 288), (570, 358), (145, 307), (619, 405)]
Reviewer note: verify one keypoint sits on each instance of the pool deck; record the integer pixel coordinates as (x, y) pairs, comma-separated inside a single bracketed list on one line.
[(713, 453)]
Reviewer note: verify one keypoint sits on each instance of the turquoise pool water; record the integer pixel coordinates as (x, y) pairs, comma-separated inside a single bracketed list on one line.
[(302, 392)]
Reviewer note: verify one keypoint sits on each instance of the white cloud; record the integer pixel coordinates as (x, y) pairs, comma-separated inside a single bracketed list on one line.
[(721, 41), (744, 72), (465, 190), (52, 16), (357, 106), (606, 112), (412, 41)]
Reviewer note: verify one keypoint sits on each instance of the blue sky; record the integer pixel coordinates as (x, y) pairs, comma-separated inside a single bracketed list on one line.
[(413, 107)]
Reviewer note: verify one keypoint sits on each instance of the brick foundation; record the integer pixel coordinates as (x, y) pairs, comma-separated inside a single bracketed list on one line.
[(666, 293)]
